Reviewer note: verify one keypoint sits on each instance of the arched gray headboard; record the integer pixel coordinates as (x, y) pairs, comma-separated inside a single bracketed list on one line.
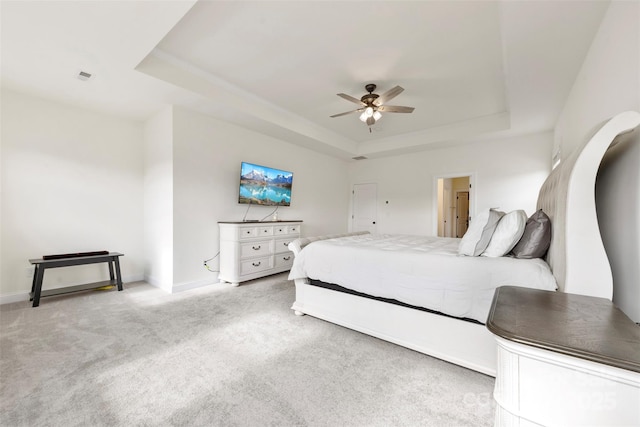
[(577, 256)]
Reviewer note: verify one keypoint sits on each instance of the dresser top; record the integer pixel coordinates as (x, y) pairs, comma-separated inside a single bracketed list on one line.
[(259, 222), (576, 325)]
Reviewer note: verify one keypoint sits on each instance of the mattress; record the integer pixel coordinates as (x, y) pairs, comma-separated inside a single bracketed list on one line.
[(421, 271)]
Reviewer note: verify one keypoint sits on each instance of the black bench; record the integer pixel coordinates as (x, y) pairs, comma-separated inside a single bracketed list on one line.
[(67, 260)]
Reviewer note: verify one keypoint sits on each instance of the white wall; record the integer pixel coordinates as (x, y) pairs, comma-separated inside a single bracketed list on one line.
[(74, 180), (206, 167), (609, 80), (609, 83), (71, 182), (158, 199), (508, 174)]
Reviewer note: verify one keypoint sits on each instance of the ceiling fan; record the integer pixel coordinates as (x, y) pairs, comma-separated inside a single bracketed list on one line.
[(372, 104)]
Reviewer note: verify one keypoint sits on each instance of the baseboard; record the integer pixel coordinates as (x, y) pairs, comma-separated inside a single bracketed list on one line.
[(172, 288), (153, 281), (17, 297), (186, 286), (24, 296)]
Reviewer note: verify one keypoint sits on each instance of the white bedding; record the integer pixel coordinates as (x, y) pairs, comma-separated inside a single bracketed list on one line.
[(422, 271)]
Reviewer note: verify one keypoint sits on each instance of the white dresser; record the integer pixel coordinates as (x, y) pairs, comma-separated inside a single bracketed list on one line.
[(249, 250)]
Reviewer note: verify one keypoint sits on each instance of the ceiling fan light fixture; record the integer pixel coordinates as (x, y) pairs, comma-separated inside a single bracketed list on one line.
[(376, 115), (363, 117), (368, 112)]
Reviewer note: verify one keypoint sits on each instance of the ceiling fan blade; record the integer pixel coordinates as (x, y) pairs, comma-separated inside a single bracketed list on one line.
[(351, 98), (395, 109), (348, 112), (390, 94)]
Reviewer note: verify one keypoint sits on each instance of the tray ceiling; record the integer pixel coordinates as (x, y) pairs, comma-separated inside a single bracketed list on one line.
[(469, 68)]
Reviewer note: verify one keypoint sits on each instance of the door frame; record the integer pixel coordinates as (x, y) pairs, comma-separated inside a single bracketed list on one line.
[(435, 201)]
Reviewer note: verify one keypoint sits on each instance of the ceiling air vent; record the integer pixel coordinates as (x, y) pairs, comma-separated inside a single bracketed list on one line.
[(84, 76), (359, 158)]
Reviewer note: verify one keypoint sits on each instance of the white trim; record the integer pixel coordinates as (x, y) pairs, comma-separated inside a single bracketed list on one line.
[(17, 297), (156, 283), (186, 286)]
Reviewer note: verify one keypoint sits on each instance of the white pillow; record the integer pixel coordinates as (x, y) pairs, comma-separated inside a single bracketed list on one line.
[(507, 234), (477, 237)]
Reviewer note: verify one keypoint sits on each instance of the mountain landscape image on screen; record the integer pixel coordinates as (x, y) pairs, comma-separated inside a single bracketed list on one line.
[(261, 185)]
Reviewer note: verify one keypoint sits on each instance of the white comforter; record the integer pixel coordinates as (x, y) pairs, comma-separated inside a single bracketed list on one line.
[(422, 271)]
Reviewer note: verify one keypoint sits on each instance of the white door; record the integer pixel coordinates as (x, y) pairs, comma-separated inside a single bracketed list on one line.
[(364, 215)]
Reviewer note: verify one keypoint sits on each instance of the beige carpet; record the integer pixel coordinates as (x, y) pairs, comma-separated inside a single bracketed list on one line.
[(217, 356)]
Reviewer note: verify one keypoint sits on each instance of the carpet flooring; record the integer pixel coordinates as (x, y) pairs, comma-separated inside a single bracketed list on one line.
[(217, 356)]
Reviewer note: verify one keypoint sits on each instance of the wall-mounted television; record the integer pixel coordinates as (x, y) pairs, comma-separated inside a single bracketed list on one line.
[(261, 185)]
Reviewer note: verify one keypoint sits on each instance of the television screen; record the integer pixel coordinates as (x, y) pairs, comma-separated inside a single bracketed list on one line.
[(260, 185)]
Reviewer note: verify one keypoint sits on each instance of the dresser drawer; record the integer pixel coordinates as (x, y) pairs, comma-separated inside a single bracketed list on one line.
[(255, 265), (282, 245), (253, 232), (294, 229), (281, 230), (265, 231), (284, 260), (247, 232), (254, 249)]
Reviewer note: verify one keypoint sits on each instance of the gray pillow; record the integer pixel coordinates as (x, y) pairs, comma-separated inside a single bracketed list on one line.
[(536, 238)]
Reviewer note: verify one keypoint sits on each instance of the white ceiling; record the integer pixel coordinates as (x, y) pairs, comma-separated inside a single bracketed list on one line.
[(471, 69)]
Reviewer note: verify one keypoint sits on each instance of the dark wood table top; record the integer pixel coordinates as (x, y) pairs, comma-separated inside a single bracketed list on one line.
[(109, 255), (576, 325)]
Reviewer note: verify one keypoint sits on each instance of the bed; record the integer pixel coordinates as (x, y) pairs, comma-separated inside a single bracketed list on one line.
[(377, 294), (420, 271)]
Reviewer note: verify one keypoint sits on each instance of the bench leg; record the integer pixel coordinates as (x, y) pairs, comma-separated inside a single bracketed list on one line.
[(118, 276), (37, 285), (33, 282), (111, 277)]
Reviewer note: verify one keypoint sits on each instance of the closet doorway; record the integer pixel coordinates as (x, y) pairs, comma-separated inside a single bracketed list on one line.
[(454, 198)]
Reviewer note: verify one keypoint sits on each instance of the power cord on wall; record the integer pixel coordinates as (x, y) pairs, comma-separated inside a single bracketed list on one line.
[(206, 263), (271, 213), (244, 218)]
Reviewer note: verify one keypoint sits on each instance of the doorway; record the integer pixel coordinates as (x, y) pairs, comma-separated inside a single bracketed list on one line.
[(454, 198)]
